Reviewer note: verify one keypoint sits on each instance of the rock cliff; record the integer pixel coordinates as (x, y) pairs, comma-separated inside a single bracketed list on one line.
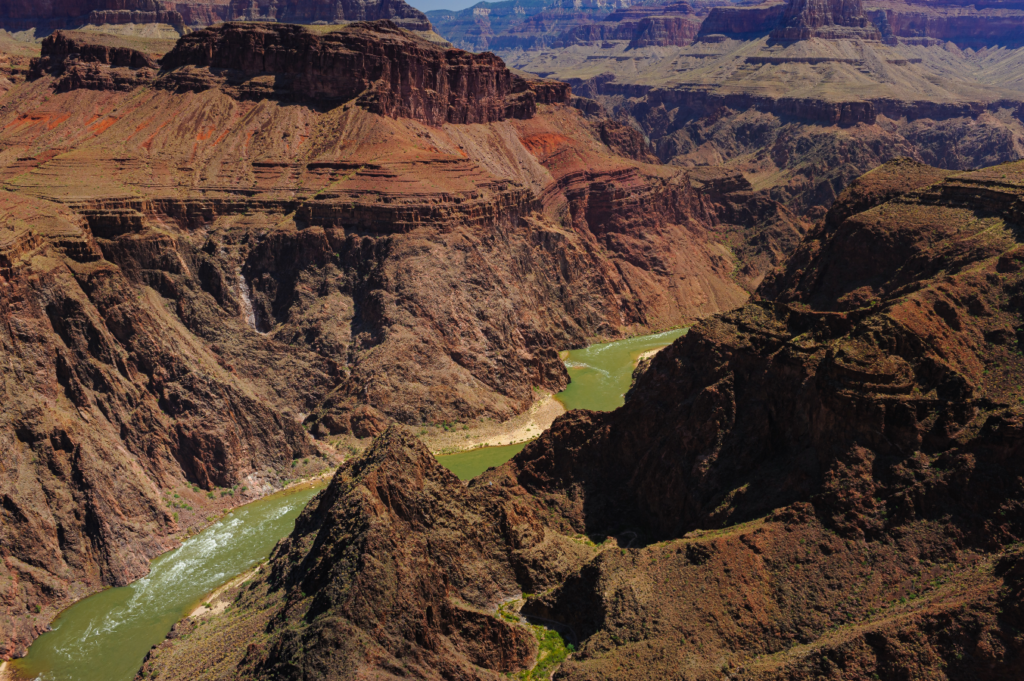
[(866, 404), (395, 566), (78, 61), (390, 71), (976, 28), (832, 19), (104, 408)]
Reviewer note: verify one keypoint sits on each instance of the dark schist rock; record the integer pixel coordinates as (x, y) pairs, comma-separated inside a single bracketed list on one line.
[(396, 565)]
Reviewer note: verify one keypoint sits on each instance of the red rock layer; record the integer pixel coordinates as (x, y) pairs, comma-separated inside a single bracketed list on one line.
[(78, 63), (391, 72)]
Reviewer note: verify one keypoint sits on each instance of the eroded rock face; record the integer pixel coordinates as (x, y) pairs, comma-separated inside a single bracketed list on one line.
[(391, 72), (102, 410), (225, 271), (77, 62), (18, 15), (338, 11)]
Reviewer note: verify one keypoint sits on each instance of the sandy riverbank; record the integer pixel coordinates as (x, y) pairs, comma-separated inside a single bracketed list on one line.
[(213, 604), (648, 355), (522, 428)]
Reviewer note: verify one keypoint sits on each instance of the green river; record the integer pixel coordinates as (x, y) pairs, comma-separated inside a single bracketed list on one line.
[(106, 636), (601, 374)]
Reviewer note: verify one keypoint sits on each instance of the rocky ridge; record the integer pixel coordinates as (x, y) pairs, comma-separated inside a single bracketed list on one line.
[(469, 551)]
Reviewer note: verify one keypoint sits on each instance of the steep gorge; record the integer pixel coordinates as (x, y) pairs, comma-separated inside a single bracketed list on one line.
[(214, 273)]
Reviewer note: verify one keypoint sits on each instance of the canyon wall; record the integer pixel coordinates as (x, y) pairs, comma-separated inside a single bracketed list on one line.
[(206, 287), (967, 26), (391, 74)]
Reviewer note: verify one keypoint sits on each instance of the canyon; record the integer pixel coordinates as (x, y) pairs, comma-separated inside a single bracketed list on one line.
[(243, 243), (213, 271), (777, 108), (821, 483)]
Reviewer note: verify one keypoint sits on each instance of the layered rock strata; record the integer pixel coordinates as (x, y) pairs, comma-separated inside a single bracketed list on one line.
[(867, 404), (933, 23), (390, 72), (830, 19)]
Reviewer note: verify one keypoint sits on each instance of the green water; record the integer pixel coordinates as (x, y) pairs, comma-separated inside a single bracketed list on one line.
[(601, 374), (104, 637), (468, 465)]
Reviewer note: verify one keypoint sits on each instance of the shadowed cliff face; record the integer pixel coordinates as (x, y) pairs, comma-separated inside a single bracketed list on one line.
[(199, 284), (108, 400), (824, 483)]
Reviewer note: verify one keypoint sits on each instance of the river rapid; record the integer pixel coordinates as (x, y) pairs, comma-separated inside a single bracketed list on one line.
[(106, 636)]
